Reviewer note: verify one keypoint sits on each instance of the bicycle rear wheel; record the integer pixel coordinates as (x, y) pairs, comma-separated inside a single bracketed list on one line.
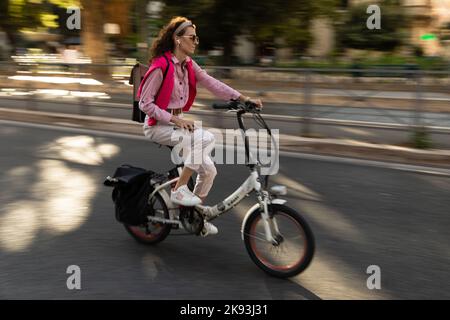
[(295, 248), (152, 232)]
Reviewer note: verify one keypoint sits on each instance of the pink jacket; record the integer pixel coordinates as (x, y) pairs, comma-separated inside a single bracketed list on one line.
[(163, 96)]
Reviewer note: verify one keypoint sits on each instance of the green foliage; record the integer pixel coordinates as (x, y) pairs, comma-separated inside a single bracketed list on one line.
[(219, 22), (421, 139), (353, 31), (16, 14), (66, 3), (19, 14), (386, 61)]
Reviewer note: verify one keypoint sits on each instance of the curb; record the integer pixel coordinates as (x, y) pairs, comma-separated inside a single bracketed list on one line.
[(368, 151), (200, 110), (334, 147)]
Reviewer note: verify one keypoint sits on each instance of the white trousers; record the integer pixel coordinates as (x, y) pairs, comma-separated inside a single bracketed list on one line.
[(196, 149)]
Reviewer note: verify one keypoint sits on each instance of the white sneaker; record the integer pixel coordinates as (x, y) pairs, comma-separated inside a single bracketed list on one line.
[(209, 229), (183, 196)]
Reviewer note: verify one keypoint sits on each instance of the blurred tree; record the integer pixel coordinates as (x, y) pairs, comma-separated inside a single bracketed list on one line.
[(444, 32), (218, 21), (95, 13), (18, 14), (353, 32), (92, 35), (40, 15), (119, 12), (221, 21), (288, 21)]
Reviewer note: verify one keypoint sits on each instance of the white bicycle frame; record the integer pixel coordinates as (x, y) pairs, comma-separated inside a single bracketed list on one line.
[(212, 212), (250, 184)]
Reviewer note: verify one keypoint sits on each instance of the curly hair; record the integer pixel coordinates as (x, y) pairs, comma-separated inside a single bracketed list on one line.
[(164, 41)]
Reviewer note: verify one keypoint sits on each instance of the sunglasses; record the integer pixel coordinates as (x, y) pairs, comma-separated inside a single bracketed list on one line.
[(194, 38)]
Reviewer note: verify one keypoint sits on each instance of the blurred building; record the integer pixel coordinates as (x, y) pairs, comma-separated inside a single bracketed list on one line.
[(425, 17)]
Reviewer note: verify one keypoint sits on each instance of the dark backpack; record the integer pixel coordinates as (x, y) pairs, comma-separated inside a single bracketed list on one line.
[(137, 75), (131, 192)]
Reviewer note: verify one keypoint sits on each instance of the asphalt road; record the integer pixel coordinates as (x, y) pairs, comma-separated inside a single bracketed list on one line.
[(55, 212)]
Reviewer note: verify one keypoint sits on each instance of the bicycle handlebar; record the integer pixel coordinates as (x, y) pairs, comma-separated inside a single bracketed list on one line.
[(220, 106), (243, 107), (237, 105)]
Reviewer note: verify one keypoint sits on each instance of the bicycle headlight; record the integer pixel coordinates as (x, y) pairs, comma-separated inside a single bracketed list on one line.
[(278, 190)]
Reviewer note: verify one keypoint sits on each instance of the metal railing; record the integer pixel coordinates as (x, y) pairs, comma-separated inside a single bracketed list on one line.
[(414, 99)]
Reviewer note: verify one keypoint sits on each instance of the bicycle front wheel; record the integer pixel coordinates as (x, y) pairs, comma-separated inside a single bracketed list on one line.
[(294, 248)]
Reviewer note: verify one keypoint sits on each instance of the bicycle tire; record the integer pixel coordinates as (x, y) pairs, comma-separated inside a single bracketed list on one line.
[(282, 271), (142, 236)]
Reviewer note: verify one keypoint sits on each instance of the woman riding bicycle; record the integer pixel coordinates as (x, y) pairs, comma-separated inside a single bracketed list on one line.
[(167, 90)]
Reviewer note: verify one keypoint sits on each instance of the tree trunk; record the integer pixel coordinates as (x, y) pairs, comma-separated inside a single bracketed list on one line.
[(6, 25), (10, 35), (118, 11), (93, 38)]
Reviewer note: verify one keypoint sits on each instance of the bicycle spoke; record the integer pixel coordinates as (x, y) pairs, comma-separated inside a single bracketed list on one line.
[(294, 237), (255, 237)]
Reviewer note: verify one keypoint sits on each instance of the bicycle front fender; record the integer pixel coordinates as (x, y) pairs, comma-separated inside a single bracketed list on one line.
[(249, 212)]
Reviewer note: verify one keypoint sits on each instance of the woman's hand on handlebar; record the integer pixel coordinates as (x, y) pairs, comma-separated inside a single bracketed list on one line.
[(256, 102), (184, 124)]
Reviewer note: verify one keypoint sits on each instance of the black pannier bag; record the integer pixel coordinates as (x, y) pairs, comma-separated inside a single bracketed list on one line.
[(131, 192)]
